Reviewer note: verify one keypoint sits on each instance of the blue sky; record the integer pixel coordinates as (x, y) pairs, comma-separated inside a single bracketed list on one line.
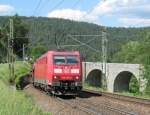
[(124, 13)]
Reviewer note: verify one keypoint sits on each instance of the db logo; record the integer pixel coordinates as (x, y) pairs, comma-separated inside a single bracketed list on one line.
[(66, 70)]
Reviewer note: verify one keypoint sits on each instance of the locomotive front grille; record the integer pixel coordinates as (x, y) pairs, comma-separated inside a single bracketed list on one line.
[(67, 84)]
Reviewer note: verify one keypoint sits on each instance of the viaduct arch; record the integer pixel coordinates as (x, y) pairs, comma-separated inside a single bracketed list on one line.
[(118, 75)]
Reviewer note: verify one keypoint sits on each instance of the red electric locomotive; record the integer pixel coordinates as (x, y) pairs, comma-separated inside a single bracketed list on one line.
[(58, 72)]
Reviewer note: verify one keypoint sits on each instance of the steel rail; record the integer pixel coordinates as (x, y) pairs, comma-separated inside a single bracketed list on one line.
[(107, 107), (127, 98), (142, 101), (76, 105)]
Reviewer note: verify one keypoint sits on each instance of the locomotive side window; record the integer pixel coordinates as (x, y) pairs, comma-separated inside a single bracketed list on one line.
[(72, 60), (58, 60)]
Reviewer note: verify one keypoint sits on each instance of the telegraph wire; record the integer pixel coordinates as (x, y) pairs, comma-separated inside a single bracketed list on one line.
[(43, 6), (83, 43), (83, 15), (95, 37), (36, 8), (76, 3), (29, 45), (58, 4), (63, 32)]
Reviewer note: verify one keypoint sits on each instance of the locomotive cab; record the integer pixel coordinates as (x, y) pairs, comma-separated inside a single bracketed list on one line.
[(59, 72), (67, 73)]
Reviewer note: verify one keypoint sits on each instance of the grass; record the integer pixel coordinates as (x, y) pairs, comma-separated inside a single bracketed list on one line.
[(87, 86), (20, 69), (140, 95), (14, 102)]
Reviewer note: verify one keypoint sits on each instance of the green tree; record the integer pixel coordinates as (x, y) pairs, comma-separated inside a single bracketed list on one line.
[(128, 53), (21, 30), (20, 33), (3, 45), (135, 52), (134, 85), (146, 61), (38, 51)]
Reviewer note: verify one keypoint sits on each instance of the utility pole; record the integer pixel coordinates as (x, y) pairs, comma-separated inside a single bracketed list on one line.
[(10, 50), (23, 52), (104, 57)]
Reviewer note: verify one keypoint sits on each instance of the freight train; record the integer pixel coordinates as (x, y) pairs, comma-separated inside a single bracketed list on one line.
[(58, 72)]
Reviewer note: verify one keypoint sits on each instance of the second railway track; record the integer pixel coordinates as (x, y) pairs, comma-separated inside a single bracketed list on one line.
[(145, 102), (89, 104), (94, 108)]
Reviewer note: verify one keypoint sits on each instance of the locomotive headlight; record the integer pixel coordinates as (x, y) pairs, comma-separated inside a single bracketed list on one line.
[(74, 70), (57, 70), (77, 77), (56, 77)]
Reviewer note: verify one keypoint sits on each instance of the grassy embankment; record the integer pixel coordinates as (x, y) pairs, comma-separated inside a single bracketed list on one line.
[(140, 95), (20, 69), (90, 87), (14, 102)]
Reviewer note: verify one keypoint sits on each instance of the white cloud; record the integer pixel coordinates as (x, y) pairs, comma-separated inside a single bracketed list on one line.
[(135, 21), (129, 12), (72, 15), (6, 8), (122, 7)]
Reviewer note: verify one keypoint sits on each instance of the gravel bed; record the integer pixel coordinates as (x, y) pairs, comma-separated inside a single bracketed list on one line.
[(136, 108), (50, 104), (97, 103)]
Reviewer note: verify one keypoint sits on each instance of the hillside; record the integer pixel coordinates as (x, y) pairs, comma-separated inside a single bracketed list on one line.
[(53, 33)]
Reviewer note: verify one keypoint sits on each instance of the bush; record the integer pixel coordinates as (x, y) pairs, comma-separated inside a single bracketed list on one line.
[(134, 85), (20, 69), (147, 76)]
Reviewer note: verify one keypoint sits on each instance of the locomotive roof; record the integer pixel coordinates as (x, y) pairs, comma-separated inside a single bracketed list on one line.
[(63, 52), (59, 53)]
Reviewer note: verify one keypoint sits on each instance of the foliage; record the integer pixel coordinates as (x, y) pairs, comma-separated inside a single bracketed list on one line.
[(133, 85), (21, 69), (12, 101), (20, 34), (128, 53), (139, 95), (37, 51), (137, 52), (90, 87), (16, 103), (53, 33), (3, 44)]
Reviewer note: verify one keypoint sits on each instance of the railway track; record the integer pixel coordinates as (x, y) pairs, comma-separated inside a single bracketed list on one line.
[(145, 102), (90, 103), (76, 105), (105, 107), (93, 108)]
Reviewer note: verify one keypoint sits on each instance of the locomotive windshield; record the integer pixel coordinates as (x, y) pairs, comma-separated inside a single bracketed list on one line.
[(60, 60), (72, 60)]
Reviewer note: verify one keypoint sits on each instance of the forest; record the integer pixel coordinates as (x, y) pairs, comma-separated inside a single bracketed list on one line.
[(51, 33)]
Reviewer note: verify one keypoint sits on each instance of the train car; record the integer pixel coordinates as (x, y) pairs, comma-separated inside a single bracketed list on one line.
[(58, 72)]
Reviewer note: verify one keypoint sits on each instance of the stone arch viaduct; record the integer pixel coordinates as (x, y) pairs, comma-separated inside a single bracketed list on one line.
[(117, 75)]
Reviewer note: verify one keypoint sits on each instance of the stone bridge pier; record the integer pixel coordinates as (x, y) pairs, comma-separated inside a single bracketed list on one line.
[(118, 75)]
